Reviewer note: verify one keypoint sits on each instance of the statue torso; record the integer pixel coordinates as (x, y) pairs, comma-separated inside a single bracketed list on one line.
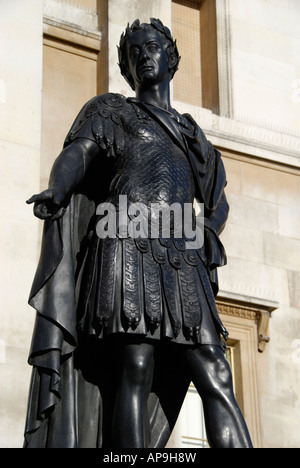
[(151, 168)]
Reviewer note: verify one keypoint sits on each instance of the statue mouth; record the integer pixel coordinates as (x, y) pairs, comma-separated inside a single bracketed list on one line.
[(146, 68)]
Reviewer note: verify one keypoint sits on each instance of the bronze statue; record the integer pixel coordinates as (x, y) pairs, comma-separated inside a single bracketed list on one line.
[(125, 322)]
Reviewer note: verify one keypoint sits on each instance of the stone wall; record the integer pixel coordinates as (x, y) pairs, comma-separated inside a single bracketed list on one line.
[(20, 140)]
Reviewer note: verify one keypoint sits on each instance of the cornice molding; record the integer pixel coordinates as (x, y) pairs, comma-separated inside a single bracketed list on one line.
[(67, 23), (258, 313), (64, 25)]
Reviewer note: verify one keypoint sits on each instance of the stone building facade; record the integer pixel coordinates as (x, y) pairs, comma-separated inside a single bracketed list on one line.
[(240, 79)]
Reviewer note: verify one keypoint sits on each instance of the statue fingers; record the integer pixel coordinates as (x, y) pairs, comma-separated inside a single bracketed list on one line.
[(59, 214), (32, 199), (40, 197), (41, 211)]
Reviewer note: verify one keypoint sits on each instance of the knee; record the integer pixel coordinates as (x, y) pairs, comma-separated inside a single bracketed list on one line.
[(220, 367), (137, 368), (212, 371)]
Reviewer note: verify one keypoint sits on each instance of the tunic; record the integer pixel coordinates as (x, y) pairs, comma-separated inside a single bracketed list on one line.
[(153, 287)]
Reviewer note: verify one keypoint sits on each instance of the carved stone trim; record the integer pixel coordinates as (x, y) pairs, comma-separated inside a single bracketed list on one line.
[(259, 314), (262, 329), (230, 309)]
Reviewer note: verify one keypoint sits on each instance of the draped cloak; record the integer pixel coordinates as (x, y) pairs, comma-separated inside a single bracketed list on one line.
[(72, 387)]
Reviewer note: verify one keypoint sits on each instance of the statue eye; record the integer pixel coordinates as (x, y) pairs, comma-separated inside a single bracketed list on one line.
[(134, 52), (153, 48)]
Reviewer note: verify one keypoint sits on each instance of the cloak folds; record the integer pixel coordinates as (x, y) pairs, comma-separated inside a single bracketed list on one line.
[(71, 393)]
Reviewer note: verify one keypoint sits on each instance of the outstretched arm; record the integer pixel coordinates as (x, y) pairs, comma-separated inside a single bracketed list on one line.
[(67, 172)]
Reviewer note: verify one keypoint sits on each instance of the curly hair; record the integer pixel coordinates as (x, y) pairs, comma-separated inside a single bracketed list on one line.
[(171, 47)]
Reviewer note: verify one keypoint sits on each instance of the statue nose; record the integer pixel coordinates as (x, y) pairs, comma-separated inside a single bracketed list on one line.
[(144, 54)]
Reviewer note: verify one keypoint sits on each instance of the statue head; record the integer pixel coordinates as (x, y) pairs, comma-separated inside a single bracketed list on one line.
[(168, 42)]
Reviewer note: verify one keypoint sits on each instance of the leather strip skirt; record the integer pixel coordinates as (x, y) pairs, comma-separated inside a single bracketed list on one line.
[(155, 288)]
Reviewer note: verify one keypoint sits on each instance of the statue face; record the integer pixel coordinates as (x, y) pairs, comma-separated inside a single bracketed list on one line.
[(147, 58)]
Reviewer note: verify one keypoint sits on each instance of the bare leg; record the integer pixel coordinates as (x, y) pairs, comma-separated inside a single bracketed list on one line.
[(131, 426), (211, 374)]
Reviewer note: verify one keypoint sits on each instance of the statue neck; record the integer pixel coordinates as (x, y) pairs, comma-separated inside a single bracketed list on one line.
[(157, 95)]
